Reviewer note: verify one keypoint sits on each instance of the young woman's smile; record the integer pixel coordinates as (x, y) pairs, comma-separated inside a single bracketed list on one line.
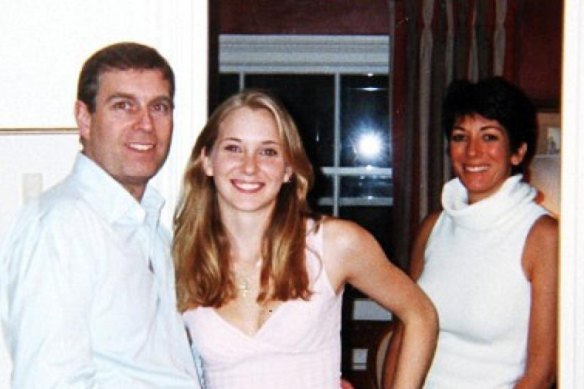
[(247, 161)]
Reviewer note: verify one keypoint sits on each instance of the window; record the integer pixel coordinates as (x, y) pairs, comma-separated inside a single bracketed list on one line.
[(336, 88)]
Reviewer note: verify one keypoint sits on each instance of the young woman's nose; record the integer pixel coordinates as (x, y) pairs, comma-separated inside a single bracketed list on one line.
[(249, 163)]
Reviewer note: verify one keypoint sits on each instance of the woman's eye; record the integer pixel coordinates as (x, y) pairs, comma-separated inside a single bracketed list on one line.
[(458, 137), (232, 148), (269, 152), (490, 137)]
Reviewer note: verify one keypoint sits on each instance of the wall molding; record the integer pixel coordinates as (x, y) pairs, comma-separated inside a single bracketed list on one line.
[(38, 131)]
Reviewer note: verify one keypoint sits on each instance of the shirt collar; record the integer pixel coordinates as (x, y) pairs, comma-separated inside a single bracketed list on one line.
[(110, 199)]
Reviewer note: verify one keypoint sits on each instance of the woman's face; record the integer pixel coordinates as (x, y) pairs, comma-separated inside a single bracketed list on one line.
[(481, 155), (247, 162)]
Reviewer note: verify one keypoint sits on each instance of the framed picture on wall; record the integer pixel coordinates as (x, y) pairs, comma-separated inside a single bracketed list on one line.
[(549, 133), (545, 169)]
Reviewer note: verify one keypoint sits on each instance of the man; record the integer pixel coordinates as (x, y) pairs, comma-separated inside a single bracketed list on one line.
[(88, 298)]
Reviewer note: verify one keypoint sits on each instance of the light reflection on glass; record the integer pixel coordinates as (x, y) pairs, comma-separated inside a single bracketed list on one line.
[(369, 146), (364, 126)]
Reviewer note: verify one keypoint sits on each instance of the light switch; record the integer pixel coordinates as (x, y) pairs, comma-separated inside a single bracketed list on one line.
[(32, 186)]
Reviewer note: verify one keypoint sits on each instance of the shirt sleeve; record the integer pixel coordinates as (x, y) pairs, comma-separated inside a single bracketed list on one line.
[(50, 286)]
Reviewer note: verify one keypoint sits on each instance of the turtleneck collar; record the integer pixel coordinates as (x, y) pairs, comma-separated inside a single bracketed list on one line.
[(490, 212)]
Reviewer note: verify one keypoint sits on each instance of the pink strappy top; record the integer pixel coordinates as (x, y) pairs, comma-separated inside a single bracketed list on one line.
[(297, 347)]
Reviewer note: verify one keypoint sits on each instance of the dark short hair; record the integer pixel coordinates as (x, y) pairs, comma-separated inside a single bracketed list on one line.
[(496, 99), (119, 56)]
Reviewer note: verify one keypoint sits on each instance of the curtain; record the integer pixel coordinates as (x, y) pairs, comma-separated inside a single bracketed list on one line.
[(433, 43)]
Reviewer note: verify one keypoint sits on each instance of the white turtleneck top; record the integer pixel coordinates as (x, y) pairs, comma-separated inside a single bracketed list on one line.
[(473, 273)]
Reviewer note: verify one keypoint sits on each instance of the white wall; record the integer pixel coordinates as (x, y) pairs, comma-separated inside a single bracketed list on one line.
[(43, 44), (48, 157), (572, 208)]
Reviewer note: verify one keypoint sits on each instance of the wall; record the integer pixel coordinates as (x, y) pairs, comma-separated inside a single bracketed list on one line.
[(539, 51), (24, 174), (571, 372), (335, 17), (44, 43)]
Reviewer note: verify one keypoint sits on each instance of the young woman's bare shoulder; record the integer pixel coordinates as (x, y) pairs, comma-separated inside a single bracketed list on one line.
[(349, 249), (343, 233)]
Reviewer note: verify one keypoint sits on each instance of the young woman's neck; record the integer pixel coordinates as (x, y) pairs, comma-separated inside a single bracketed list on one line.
[(245, 233)]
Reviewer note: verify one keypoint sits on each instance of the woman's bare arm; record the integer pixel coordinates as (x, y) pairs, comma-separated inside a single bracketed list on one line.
[(415, 270), (540, 262), (352, 255)]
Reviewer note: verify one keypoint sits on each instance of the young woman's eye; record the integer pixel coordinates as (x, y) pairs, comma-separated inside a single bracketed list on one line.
[(269, 152), (232, 148)]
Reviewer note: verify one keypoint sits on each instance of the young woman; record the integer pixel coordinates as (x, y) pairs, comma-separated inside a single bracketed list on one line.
[(260, 277), (489, 259)]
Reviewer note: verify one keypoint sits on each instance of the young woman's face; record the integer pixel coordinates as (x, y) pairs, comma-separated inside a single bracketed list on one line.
[(481, 155), (247, 162)]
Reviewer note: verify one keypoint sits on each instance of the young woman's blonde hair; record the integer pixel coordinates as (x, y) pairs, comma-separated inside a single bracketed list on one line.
[(201, 248)]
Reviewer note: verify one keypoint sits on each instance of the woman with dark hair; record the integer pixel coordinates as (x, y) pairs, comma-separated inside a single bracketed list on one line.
[(260, 277), (488, 260)]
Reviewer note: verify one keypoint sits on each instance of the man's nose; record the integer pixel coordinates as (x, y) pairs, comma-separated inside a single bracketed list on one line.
[(144, 120)]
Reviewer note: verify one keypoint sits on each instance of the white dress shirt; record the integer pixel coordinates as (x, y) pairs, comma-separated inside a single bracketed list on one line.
[(87, 298)]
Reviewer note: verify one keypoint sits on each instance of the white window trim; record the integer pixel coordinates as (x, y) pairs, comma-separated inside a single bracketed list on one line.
[(327, 54)]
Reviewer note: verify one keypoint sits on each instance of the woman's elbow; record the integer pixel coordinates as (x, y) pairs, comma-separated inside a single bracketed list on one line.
[(424, 317)]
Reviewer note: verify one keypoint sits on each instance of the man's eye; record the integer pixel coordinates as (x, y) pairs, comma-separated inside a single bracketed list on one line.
[(122, 105), (162, 107)]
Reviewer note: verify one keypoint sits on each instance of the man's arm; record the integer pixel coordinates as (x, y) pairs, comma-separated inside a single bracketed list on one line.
[(49, 292)]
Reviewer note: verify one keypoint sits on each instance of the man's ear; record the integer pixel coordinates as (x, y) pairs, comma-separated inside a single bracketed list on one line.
[(83, 119), (207, 166)]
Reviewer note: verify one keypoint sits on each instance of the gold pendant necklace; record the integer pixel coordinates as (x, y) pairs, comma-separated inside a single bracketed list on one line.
[(243, 281), (243, 287)]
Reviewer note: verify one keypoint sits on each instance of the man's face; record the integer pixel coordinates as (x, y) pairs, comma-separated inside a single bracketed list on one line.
[(130, 131)]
